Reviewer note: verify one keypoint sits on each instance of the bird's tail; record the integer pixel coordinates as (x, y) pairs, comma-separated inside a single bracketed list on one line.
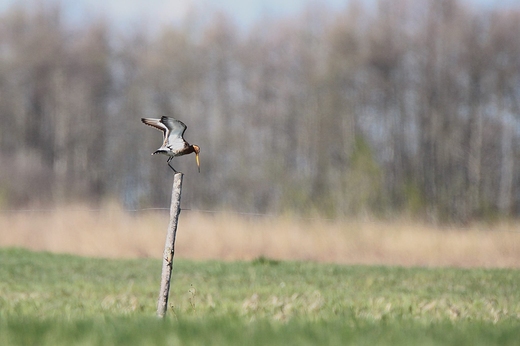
[(159, 151)]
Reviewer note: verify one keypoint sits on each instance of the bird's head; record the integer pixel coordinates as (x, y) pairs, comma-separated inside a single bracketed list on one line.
[(196, 149)]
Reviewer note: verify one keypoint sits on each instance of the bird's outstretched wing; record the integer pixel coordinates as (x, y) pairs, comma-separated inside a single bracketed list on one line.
[(158, 125), (173, 131), (176, 128)]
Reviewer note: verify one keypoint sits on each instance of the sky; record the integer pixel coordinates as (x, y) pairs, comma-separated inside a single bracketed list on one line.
[(244, 12)]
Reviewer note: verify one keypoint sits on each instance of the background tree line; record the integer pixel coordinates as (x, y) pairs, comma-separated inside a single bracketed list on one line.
[(409, 107)]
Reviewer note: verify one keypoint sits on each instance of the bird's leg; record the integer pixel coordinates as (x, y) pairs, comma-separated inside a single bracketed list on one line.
[(169, 159), (172, 168)]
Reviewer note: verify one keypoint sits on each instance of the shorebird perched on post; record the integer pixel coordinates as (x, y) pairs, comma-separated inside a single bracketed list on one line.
[(173, 136)]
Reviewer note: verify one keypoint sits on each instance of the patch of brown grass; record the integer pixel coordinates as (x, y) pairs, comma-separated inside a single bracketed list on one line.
[(114, 233)]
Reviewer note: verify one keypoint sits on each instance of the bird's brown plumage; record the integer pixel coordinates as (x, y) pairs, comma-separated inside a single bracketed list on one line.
[(174, 143)]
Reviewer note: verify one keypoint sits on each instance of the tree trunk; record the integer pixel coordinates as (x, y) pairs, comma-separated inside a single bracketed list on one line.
[(169, 246)]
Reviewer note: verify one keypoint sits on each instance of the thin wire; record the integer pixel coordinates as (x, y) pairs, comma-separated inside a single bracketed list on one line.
[(19, 211), (205, 211), (230, 212), (15, 211)]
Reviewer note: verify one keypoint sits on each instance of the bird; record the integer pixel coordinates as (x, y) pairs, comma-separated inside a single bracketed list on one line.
[(174, 143)]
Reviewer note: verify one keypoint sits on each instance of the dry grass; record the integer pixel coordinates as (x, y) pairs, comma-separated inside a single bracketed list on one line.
[(114, 233)]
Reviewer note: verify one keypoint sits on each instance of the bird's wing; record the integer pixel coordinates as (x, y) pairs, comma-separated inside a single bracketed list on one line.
[(176, 132), (158, 125)]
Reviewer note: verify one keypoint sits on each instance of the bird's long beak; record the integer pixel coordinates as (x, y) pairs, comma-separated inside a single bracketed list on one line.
[(197, 159)]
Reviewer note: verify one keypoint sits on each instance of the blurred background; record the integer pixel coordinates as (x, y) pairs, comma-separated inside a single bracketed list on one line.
[(330, 108)]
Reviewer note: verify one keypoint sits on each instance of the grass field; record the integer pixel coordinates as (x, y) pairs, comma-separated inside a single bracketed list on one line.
[(113, 233), (50, 299)]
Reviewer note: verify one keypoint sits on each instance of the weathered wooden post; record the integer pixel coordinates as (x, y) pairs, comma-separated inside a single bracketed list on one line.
[(169, 245)]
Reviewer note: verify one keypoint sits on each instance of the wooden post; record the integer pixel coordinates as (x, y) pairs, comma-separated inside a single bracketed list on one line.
[(169, 246)]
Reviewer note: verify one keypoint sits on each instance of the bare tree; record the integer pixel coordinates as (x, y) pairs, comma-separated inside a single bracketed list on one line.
[(409, 108)]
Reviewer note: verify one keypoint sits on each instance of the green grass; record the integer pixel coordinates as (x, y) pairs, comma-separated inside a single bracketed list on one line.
[(48, 299)]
